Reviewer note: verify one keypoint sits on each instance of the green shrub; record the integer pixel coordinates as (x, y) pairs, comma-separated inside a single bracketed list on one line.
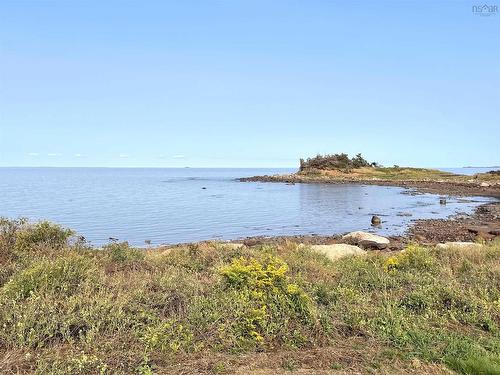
[(121, 252), (169, 336), (252, 274), (413, 258), (267, 304), (49, 319), (63, 276), (76, 363), (8, 230), (43, 234), (474, 365)]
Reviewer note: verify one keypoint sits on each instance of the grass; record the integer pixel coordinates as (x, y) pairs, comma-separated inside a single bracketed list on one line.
[(66, 307), (398, 174), (385, 173)]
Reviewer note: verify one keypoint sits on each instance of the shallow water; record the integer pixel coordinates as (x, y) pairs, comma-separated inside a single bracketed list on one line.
[(189, 204)]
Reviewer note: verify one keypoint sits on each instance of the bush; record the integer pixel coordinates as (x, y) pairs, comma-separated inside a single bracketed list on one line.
[(268, 303), (121, 252), (43, 234), (335, 161), (413, 258), (62, 276), (168, 336), (8, 230)]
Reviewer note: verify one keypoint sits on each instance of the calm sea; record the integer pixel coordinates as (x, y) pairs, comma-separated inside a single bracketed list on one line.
[(184, 205)]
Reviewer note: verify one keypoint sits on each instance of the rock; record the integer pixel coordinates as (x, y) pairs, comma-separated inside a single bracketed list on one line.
[(249, 242), (495, 232), (366, 240), (404, 214), (233, 245), (484, 184), (474, 229), (485, 231), (337, 251), (458, 245), (376, 220), (442, 200)]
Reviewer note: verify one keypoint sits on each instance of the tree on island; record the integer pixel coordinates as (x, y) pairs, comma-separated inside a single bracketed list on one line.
[(336, 161)]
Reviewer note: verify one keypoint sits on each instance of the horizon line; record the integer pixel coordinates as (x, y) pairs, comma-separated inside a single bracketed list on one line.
[(214, 167)]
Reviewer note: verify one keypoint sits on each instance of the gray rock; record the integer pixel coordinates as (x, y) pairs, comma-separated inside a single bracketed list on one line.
[(337, 251), (458, 245), (376, 220), (366, 240), (233, 245)]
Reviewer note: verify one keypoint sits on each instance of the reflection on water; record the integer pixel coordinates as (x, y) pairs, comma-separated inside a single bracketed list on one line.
[(182, 205)]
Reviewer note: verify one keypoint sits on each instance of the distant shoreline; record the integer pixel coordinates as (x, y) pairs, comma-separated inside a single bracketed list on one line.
[(426, 180)]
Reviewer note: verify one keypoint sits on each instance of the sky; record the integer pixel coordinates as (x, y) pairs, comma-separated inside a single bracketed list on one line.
[(255, 83)]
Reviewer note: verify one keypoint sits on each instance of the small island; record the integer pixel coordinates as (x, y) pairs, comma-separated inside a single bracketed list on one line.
[(341, 169)]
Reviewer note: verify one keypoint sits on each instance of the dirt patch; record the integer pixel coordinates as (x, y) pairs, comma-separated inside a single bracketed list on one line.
[(350, 356)]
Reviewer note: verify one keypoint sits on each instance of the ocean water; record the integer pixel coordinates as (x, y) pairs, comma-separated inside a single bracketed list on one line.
[(189, 204)]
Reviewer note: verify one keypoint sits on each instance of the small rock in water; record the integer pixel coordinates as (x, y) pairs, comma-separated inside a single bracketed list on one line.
[(203, 188), (442, 200), (376, 220)]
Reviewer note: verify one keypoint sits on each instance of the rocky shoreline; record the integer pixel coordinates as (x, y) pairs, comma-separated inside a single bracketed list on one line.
[(482, 225), (458, 188)]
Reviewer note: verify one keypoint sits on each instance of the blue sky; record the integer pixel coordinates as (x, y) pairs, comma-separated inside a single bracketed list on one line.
[(247, 83)]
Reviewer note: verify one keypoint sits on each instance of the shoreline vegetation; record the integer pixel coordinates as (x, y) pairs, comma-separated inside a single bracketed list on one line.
[(340, 169), (274, 306)]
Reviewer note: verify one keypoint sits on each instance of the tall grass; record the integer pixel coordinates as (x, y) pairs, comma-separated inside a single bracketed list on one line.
[(68, 308)]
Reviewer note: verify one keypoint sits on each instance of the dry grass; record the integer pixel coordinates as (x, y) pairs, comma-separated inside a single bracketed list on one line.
[(214, 309), (398, 174)]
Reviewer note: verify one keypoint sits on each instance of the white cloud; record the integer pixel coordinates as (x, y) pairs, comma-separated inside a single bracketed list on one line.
[(179, 156), (33, 153), (79, 155), (123, 155), (54, 154)]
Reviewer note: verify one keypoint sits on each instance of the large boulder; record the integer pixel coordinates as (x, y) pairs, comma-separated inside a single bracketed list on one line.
[(366, 240), (337, 251), (458, 245)]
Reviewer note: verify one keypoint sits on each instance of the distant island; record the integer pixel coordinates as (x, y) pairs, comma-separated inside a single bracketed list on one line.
[(494, 167), (342, 169)]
